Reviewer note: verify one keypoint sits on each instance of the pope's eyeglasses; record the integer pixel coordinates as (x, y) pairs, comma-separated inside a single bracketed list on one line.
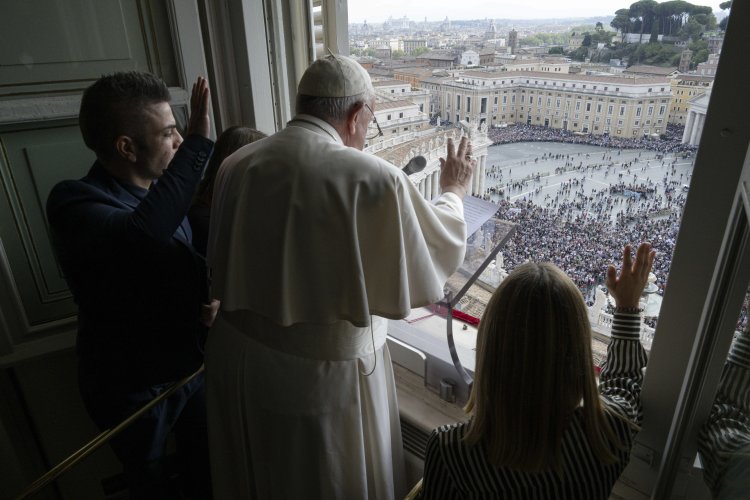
[(374, 121)]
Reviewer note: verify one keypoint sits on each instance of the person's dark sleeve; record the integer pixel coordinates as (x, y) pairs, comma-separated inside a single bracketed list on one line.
[(725, 437), (621, 377), (80, 213), (436, 483), (168, 201)]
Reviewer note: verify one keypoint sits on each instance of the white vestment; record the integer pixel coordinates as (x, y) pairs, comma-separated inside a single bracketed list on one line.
[(310, 242)]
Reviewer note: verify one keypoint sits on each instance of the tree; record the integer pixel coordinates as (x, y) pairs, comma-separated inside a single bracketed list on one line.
[(600, 55), (419, 51), (555, 50), (397, 54), (699, 57), (621, 22), (692, 29), (672, 15), (586, 40), (579, 54), (599, 26), (724, 6), (704, 16), (604, 37), (654, 33), (643, 12)]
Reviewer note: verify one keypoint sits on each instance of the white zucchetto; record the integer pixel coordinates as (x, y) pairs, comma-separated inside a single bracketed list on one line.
[(334, 76)]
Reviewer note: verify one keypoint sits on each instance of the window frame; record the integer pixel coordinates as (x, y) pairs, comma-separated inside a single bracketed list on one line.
[(692, 336)]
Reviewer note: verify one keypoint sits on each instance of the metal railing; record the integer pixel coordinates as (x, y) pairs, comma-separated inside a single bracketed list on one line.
[(102, 439)]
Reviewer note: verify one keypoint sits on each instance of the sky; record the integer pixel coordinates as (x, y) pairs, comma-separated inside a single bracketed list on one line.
[(436, 10)]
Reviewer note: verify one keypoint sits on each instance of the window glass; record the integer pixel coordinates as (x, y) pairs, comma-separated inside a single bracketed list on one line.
[(724, 441), (575, 191)]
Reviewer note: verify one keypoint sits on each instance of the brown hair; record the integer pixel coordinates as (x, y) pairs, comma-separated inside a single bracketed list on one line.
[(227, 143), (534, 367), (114, 105)]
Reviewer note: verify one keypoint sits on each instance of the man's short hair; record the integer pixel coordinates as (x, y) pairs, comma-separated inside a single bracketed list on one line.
[(113, 106), (329, 109)]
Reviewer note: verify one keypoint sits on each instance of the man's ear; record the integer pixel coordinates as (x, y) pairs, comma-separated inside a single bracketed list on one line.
[(355, 114), (126, 148)]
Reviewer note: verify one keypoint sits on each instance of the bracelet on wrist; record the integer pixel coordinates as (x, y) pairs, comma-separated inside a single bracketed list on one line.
[(628, 310)]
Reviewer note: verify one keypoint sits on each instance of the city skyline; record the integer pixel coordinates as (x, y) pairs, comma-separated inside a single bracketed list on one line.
[(437, 10)]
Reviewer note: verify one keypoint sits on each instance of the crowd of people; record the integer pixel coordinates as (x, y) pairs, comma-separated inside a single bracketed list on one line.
[(584, 245), (668, 142), (581, 229)]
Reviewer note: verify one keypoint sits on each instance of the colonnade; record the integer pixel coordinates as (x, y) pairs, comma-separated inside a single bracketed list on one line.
[(479, 175), (693, 127), (429, 186)]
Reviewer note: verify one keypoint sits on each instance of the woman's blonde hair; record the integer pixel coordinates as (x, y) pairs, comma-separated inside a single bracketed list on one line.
[(534, 368)]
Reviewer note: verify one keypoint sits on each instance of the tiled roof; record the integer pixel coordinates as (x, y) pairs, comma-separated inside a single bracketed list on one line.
[(400, 103), (518, 75), (388, 83), (652, 70)]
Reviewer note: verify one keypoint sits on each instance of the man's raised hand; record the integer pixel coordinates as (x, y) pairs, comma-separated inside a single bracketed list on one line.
[(199, 123)]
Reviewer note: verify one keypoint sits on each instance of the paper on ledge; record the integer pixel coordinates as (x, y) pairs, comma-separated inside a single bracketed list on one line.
[(476, 212)]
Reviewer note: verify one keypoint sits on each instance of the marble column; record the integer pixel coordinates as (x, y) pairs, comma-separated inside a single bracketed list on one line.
[(688, 127), (701, 123), (697, 125), (482, 174), (428, 187), (436, 183)]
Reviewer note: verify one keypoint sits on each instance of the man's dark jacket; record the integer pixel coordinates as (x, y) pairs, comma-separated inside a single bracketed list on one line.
[(126, 254)]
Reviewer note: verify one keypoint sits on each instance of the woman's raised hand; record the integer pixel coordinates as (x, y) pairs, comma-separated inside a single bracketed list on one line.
[(628, 286)]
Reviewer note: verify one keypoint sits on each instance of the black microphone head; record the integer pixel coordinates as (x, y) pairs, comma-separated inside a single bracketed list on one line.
[(416, 164)]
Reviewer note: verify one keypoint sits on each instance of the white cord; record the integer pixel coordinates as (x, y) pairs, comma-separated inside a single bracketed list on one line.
[(372, 336)]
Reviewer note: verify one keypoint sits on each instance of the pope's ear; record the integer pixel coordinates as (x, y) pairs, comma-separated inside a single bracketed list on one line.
[(355, 114), (126, 148)]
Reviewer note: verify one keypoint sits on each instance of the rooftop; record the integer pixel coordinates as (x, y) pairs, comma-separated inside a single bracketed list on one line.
[(517, 75), (400, 103), (651, 70), (694, 78), (388, 83), (413, 71), (443, 56)]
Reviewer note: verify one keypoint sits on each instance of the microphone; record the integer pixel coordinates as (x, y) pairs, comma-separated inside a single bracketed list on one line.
[(416, 164)]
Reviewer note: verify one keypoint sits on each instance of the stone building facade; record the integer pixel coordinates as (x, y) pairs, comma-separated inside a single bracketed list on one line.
[(616, 105)]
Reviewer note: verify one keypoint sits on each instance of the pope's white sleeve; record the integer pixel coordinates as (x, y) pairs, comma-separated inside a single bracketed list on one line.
[(445, 234)]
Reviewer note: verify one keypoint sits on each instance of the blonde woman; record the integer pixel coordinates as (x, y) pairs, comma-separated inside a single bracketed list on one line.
[(540, 426)]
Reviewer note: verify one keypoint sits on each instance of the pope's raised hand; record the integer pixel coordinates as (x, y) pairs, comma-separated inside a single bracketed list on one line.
[(456, 168)]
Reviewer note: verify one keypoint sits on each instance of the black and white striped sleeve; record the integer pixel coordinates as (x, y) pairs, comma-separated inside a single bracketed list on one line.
[(725, 437), (621, 377), (436, 483)]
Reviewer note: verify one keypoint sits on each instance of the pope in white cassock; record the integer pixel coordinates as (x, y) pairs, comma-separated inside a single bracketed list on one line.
[(313, 243)]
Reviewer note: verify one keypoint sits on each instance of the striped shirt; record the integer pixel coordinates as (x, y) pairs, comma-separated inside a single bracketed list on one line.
[(724, 441), (456, 470)]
